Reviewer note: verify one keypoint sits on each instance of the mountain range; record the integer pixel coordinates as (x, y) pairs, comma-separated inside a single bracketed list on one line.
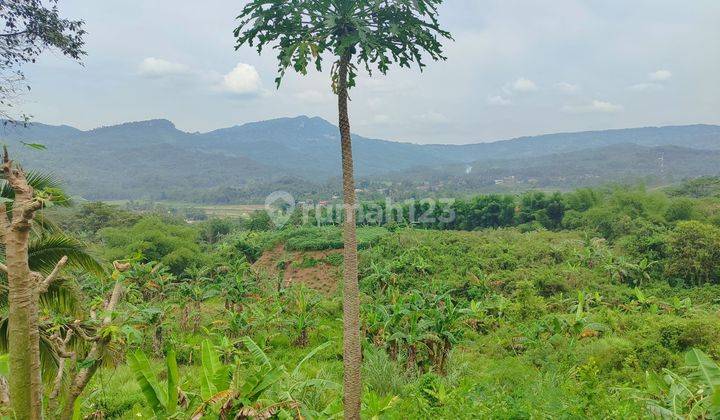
[(153, 159)]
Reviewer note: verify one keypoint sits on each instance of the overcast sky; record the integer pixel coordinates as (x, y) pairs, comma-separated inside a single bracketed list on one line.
[(517, 67)]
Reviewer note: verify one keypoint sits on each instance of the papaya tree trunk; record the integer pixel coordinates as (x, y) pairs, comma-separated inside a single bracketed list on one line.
[(23, 333), (24, 289), (352, 354)]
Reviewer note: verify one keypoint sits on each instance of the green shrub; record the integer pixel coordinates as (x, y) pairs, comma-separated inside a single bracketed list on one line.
[(156, 239), (609, 353), (306, 262), (683, 334), (680, 209), (694, 252), (335, 259)]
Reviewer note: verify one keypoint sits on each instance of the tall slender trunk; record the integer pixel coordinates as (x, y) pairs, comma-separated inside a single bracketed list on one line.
[(352, 353), (23, 333), (24, 288)]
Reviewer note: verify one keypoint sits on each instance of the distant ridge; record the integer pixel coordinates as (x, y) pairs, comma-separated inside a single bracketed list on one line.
[(154, 159)]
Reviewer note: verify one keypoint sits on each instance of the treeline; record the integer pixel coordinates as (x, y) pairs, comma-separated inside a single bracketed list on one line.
[(669, 231), (607, 210)]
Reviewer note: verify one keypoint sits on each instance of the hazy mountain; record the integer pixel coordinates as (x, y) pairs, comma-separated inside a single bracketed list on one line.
[(693, 136), (155, 159), (618, 163)]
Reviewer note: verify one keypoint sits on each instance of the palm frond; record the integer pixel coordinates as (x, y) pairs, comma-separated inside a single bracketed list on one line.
[(48, 355), (43, 225), (45, 252), (40, 181), (63, 297)]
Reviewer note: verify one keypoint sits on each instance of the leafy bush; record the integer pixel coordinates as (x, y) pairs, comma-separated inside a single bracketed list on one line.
[(680, 209), (156, 239), (694, 252)]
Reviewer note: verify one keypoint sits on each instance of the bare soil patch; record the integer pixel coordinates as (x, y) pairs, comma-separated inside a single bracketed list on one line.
[(310, 268)]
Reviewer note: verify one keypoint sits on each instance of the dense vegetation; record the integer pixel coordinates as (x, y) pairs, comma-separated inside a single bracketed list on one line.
[(598, 303), (593, 303)]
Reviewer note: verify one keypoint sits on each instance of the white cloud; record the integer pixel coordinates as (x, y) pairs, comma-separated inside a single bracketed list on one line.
[(567, 88), (498, 100), (157, 67), (244, 79), (381, 119), (524, 85), (313, 96), (595, 106), (657, 80), (645, 87), (432, 117), (660, 75)]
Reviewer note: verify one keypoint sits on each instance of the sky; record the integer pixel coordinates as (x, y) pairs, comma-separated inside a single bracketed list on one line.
[(516, 67)]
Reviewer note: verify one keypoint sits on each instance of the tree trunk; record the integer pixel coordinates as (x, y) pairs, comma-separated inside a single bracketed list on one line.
[(23, 333), (4, 392), (158, 340), (83, 376), (79, 384), (352, 353)]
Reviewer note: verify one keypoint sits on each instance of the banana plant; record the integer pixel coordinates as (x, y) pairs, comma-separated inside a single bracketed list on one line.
[(445, 330), (247, 395), (374, 406), (694, 394), (705, 371), (475, 314), (215, 377), (164, 401), (303, 315)]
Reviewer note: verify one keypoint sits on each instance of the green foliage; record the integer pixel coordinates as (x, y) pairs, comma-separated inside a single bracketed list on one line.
[(706, 186), (522, 319), (215, 377), (258, 221), (692, 394), (694, 252), (680, 209), (89, 218), (313, 239), (214, 229), (162, 400), (374, 33), (168, 241), (44, 252), (323, 238)]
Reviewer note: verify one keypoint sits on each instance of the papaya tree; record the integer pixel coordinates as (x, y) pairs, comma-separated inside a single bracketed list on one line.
[(354, 34), (32, 258)]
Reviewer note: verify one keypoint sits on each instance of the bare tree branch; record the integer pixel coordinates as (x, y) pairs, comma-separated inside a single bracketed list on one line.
[(53, 275), (83, 376)]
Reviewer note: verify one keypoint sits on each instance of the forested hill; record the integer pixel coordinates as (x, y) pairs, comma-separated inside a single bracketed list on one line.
[(153, 159)]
